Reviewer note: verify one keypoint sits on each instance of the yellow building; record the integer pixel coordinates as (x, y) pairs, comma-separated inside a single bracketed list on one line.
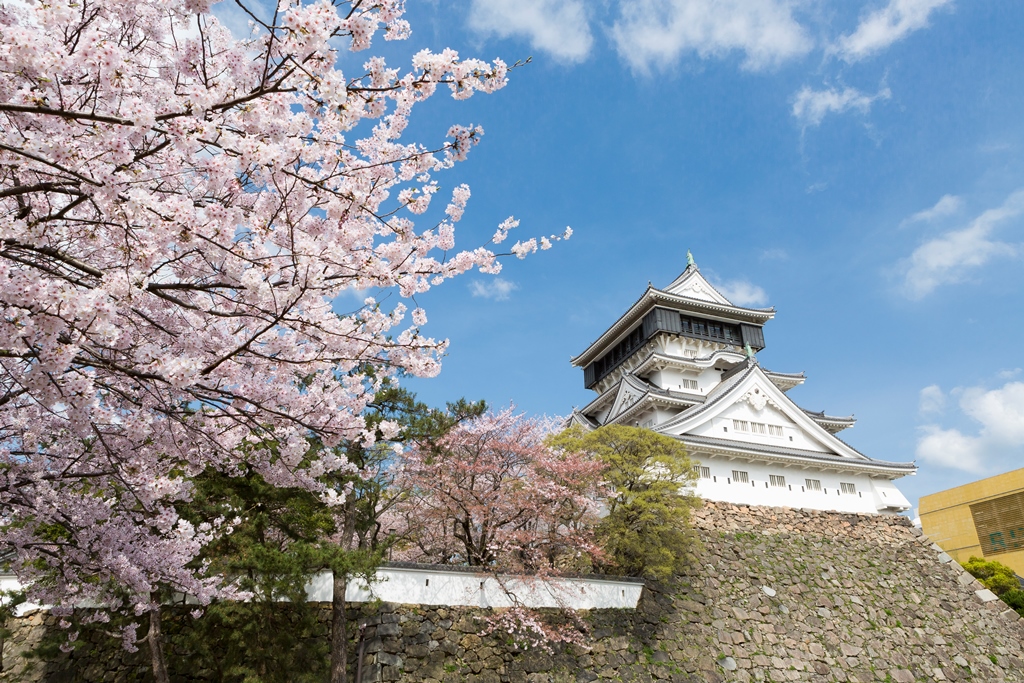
[(984, 518)]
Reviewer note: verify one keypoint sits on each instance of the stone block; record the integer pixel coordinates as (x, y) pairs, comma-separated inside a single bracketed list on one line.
[(965, 579), (389, 629), (985, 595)]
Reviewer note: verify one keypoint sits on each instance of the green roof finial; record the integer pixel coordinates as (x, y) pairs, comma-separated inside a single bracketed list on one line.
[(689, 259), (750, 351)]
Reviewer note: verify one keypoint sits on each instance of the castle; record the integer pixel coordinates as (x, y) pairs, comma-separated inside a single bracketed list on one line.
[(682, 361)]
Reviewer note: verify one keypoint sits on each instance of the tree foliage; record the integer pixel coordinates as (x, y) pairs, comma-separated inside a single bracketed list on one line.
[(180, 211), (492, 495), (646, 529), (999, 579)]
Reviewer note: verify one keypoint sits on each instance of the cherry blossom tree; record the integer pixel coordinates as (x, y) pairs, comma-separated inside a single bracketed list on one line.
[(180, 211), (492, 495)]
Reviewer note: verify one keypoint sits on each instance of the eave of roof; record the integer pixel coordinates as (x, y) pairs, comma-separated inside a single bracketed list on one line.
[(700, 363), (798, 455), (652, 297), (821, 417)]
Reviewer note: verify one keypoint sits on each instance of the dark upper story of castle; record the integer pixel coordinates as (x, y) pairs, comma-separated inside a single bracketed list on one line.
[(689, 307)]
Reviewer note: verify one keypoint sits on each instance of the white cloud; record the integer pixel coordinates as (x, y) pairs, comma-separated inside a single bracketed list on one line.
[(931, 400), (774, 254), (658, 32), (946, 206), (950, 448), (1000, 414), (742, 293), (498, 289), (811, 106), (948, 258), (558, 27), (883, 27)]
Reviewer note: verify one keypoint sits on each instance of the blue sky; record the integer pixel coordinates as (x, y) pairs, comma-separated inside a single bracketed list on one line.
[(856, 164)]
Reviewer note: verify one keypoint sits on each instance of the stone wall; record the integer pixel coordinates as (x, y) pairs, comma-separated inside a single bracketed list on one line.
[(775, 595)]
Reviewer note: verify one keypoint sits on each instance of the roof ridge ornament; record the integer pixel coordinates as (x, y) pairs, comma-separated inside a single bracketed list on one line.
[(689, 260)]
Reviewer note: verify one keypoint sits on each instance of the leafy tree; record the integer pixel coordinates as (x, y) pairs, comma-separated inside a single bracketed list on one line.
[(999, 579), (280, 537), (396, 419), (646, 531), (180, 209), (492, 495), (9, 602)]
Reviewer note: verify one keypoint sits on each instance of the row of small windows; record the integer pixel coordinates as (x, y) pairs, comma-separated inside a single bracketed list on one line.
[(756, 427), (688, 384), (775, 481), (619, 352), (709, 328)]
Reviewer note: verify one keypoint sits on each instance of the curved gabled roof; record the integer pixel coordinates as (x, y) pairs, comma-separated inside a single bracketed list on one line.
[(830, 422), (654, 297)]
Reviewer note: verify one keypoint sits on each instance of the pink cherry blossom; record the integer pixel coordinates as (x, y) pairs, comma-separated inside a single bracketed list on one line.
[(184, 215)]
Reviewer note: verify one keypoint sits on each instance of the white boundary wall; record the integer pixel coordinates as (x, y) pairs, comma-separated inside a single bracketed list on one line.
[(428, 585)]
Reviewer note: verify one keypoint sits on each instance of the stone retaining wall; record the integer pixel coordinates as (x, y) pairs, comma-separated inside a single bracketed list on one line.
[(775, 595)]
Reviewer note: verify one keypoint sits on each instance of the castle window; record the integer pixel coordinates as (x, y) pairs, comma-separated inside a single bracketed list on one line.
[(775, 430), (741, 425), (848, 488), (777, 480), (740, 477), (813, 484), (688, 384), (758, 427), (702, 472)]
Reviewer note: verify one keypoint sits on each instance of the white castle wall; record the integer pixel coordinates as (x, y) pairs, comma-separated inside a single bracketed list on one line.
[(872, 496), (425, 585), (428, 585)]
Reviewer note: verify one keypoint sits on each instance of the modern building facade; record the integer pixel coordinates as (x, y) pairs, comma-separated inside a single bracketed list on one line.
[(682, 361), (984, 518)]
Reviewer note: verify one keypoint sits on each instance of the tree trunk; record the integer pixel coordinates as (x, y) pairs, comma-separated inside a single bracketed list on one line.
[(339, 630), (156, 644)]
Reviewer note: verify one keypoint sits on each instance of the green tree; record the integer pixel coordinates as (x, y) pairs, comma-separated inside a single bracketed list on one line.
[(279, 538), (646, 531), (9, 601), (999, 579), (370, 493), (282, 536)]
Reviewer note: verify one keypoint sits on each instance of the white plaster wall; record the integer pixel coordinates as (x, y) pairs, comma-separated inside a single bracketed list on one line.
[(760, 492), (722, 427), (432, 586), (10, 584)]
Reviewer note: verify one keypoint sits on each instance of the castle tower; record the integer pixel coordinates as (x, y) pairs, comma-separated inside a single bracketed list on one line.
[(682, 361)]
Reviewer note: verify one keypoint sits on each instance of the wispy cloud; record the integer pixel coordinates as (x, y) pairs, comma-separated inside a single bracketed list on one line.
[(931, 400), (498, 289), (1000, 436), (774, 254), (811, 106), (952, 256), (559, 27), (946, 206), (742, 293), (885, 26), (657, 33)]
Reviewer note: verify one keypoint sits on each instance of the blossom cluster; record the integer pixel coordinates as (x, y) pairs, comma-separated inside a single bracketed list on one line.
[(181, 212)]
